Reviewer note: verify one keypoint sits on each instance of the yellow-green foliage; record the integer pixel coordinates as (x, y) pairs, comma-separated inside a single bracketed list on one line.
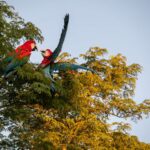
[(78, 116)]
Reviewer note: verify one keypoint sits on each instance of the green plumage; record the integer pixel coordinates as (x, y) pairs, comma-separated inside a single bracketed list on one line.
[(67, 66)]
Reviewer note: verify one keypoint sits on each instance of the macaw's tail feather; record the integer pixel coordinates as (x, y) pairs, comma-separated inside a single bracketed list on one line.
[(11, 67), (52, 89), (68, 66)]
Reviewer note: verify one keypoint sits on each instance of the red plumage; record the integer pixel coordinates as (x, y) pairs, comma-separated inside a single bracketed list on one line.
[(25, 49), (46, 61)]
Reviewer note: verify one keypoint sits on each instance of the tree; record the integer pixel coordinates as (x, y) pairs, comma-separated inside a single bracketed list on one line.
[(78, 116)]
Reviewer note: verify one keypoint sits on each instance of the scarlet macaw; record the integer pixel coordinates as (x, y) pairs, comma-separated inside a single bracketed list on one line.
[(48, 63), (19, 57)]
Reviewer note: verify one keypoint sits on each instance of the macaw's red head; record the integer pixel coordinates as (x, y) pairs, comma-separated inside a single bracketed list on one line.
[(25, 49), (47, 53), (30, 45)]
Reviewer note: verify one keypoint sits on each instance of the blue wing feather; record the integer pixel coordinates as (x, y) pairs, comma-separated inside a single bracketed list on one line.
[(56, 52)]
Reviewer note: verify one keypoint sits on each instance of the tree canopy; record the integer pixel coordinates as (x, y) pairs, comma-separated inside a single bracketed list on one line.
[(78, 117)]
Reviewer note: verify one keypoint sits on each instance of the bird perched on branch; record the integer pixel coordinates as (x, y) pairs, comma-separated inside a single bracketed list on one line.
[(18, 57), (48, 63)]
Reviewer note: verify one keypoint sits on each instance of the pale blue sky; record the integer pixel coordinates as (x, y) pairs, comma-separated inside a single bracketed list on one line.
[(121, 26)]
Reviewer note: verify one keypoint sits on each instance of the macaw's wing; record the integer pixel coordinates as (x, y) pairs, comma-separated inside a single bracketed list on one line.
[(68, 66), (61, 40)]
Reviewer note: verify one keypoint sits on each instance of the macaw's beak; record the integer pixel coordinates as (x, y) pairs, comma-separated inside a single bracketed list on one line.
[(35, 48), (42, 52)]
